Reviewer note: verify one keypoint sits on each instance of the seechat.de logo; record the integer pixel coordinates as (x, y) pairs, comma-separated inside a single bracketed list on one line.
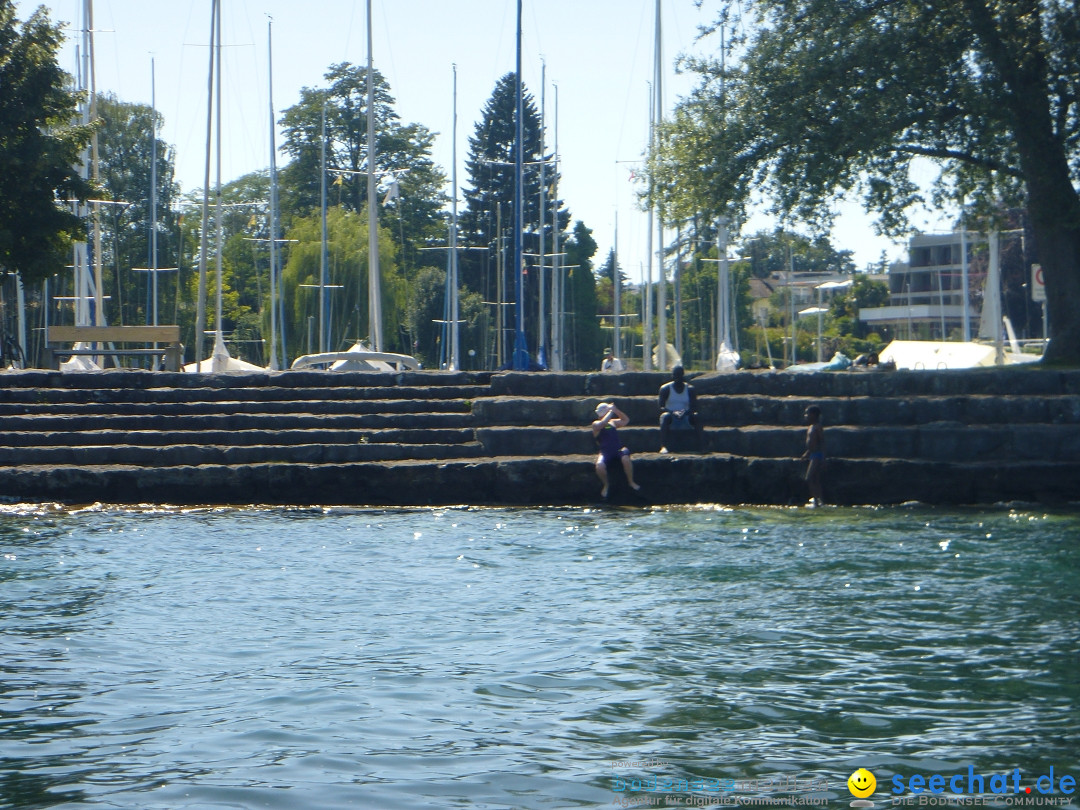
[(971, 783)]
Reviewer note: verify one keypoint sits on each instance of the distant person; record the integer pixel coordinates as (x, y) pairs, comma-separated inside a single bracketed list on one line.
[(815, 454), (611, 363), (605, 431), (678, 408)]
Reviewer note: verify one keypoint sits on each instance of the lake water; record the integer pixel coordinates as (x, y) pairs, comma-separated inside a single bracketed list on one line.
[(495, 658)]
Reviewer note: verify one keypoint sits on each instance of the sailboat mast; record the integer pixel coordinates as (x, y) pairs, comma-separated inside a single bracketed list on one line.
[(658, 112), (541, 348), (273, 201), (99, 310), (374, 292), (647, 299), (153, 188), (81, 258), (616, 286), (200, 312), (322, 244), (219, 340), (455, 345), (723, 286), (521, 352), (556, 270)]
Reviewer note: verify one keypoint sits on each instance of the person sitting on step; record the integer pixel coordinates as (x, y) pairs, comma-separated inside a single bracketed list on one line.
[(678, 408), (605, 431)]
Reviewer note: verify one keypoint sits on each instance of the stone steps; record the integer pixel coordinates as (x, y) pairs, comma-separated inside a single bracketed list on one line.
[(192, 407), (180, 455), (230, 421), (54, 397), (420, 438), (568, 480), (942, 442), (21, 441), (738, 410)]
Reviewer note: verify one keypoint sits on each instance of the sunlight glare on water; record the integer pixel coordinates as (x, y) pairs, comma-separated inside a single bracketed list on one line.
[(493, 658)]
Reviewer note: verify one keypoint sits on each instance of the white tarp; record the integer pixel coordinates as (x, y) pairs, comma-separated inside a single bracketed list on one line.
[(919, 355)]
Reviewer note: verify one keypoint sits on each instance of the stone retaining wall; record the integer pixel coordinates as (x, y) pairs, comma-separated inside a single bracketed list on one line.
[(421, 438)]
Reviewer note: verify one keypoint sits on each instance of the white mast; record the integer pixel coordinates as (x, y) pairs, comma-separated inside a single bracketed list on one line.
[(661, 291), (221, 354), (200, 312), (323, 320), (455, 344), (99, 309), (81, 258), (964, 276), (374, 293), (153, 187), (556, 270), (646, 332), (723, 320), (541, 349), (273, 202), (677, 277), (616, 285)]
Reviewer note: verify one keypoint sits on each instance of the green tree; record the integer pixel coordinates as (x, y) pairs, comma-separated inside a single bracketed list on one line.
[(779, 250), (427, 306), (410, 184), (629, 303), (39, 148), (490, 166), (124, 167), (864, 293), (834, 97), (347, 259), (584, 340)]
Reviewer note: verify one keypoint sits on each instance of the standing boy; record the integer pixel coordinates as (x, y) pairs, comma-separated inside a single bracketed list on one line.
[(815, 453)]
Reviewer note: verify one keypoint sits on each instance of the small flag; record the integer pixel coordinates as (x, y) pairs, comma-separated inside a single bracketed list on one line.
[(393, 194)]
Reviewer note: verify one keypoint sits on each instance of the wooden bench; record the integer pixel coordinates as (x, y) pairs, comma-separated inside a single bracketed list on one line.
[(172, 351)]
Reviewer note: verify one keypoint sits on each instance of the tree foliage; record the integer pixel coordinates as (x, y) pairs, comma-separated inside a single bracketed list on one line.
[(39, 149), (490, 166), (833, 98), (124, 169), (403, 156), (780, 250), (584, 341)]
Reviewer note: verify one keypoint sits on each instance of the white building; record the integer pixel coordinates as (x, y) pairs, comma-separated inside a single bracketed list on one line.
[(926, 295)]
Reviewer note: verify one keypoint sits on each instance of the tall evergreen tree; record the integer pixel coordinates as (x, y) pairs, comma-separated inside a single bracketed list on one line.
[(490, 166)]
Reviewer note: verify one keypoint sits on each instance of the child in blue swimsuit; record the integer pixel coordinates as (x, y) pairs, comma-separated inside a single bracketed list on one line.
[(815, 453), (605, 431)]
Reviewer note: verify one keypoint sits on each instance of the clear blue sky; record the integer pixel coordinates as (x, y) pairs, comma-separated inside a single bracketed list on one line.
[(599, 53)]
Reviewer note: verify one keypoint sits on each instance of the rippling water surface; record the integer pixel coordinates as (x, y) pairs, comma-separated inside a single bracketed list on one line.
[(334, 658)]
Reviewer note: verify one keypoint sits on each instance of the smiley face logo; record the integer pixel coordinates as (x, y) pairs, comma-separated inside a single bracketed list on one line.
[(862, 783)]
